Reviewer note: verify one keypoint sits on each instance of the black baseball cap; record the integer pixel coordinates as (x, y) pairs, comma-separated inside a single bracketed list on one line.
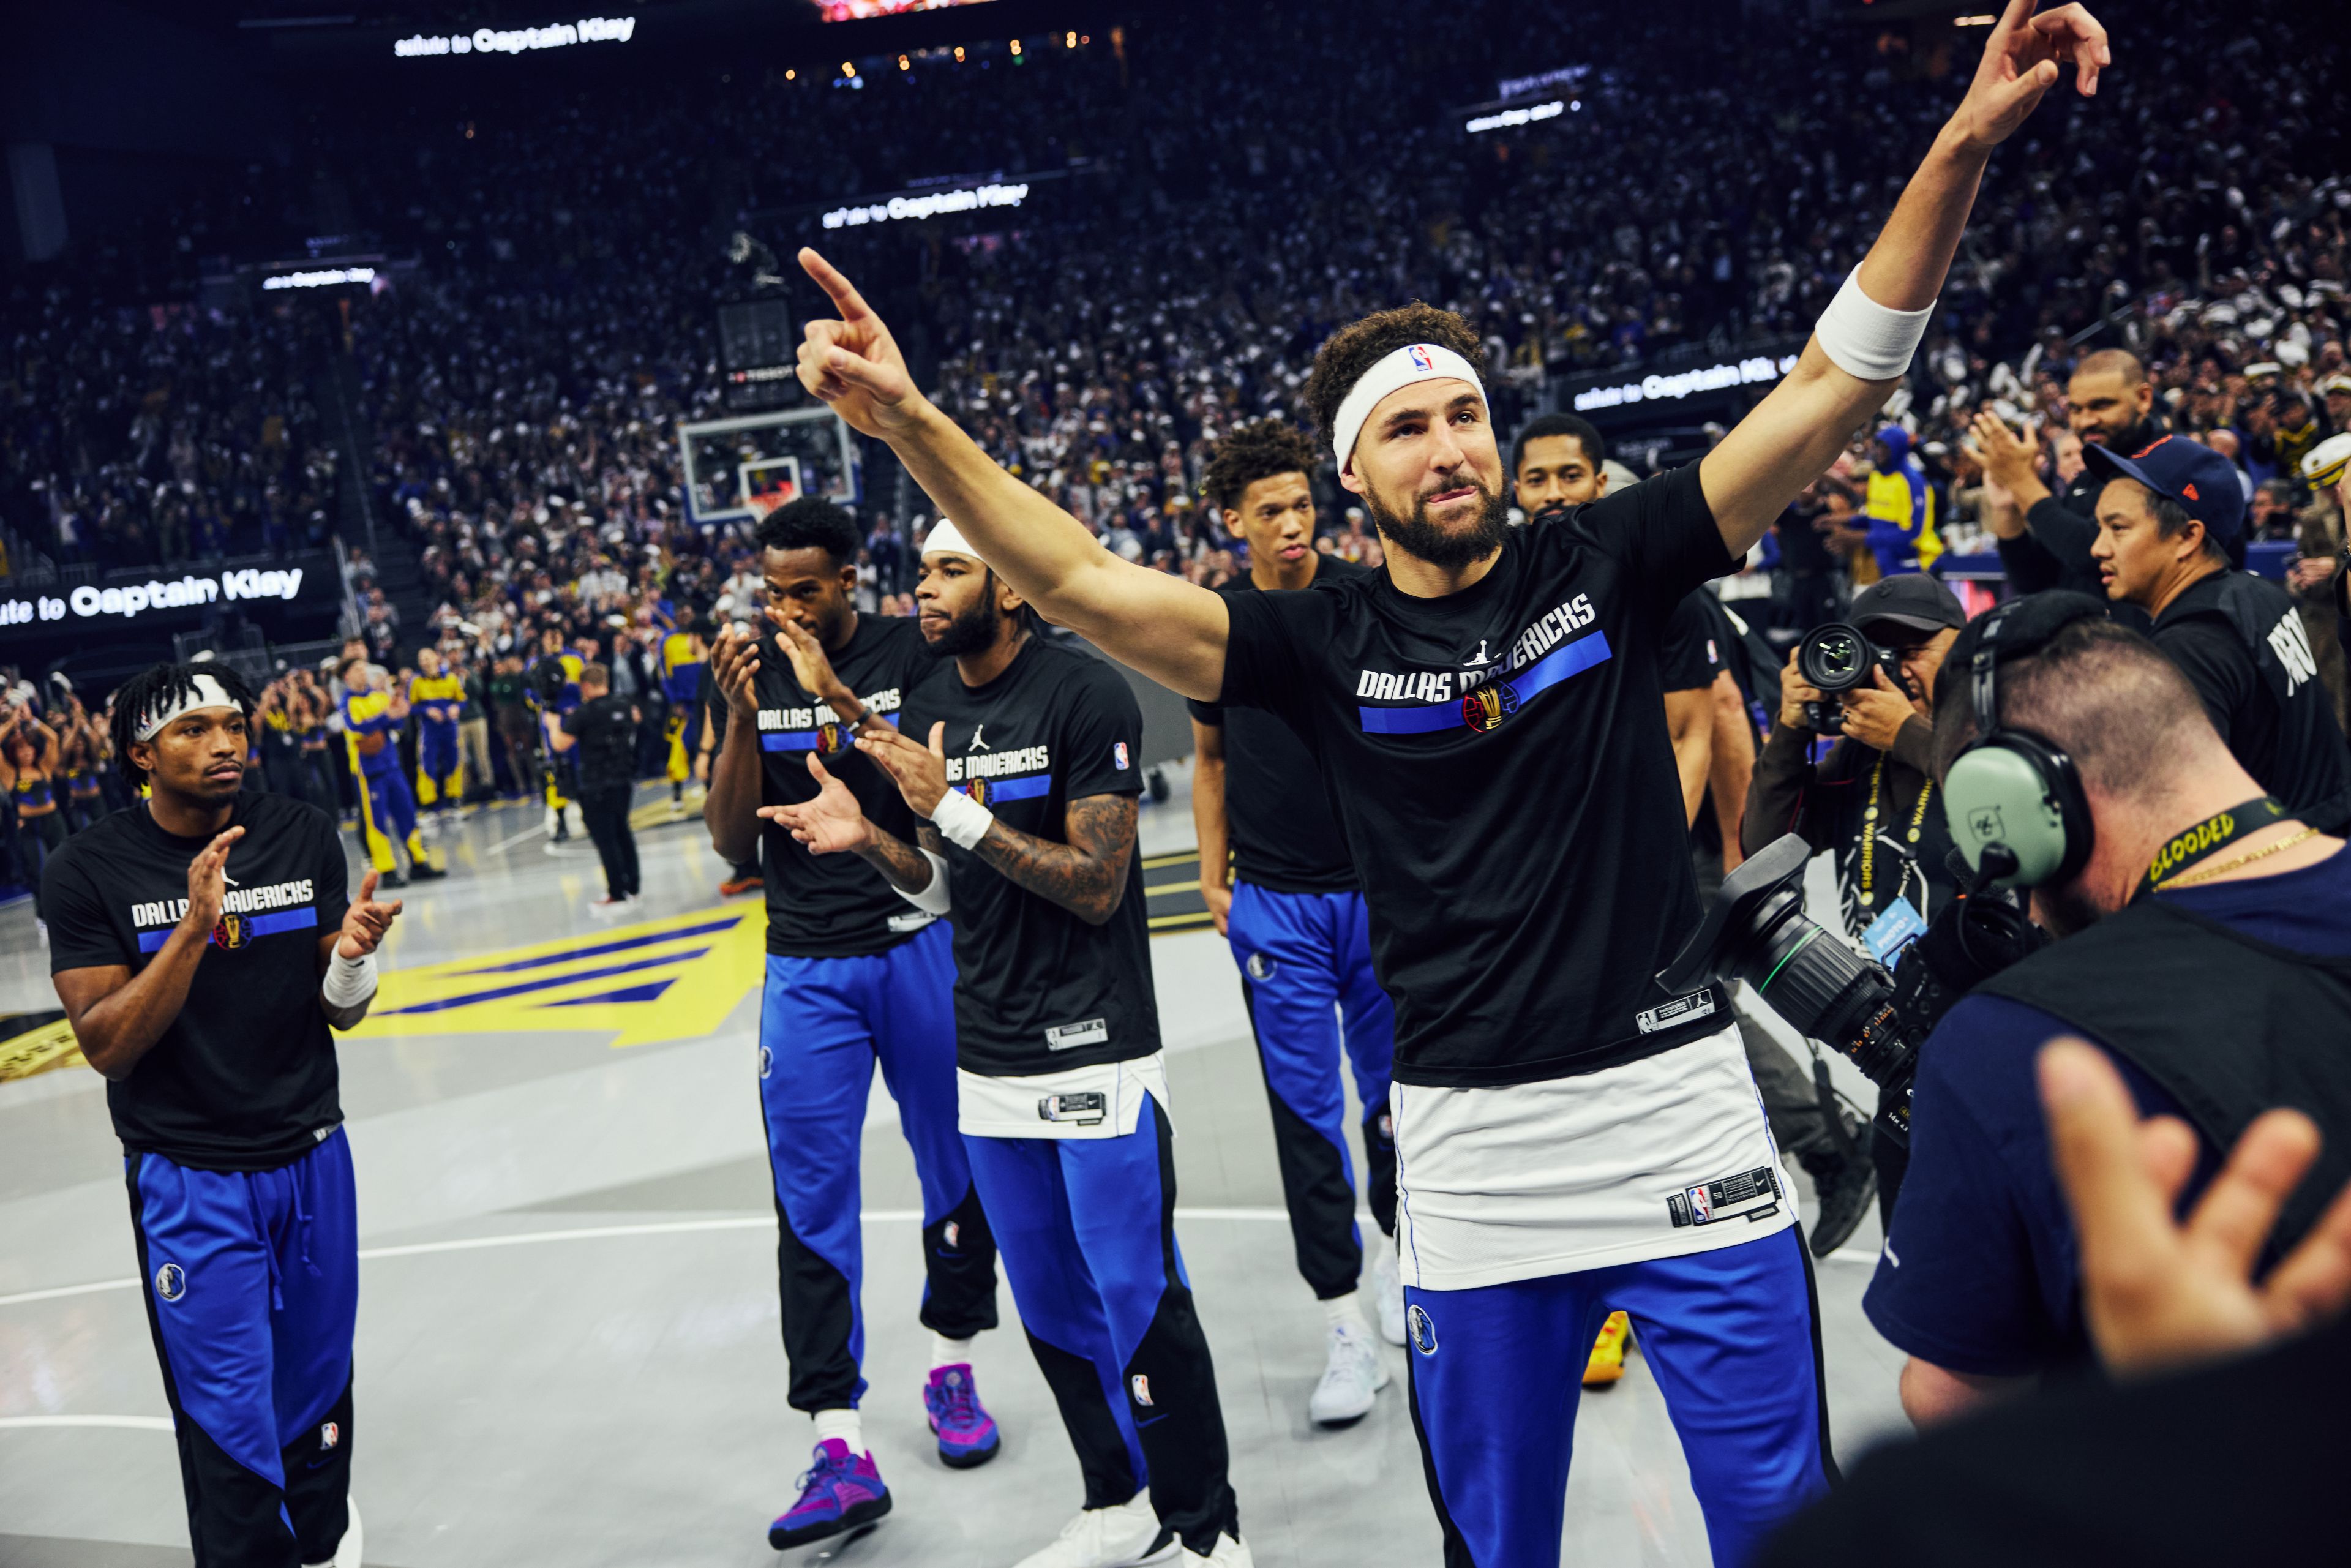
[(2202, 482), (1912, 600)]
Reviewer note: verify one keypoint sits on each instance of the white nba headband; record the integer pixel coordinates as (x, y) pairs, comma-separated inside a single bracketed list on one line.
[(944, 536), (1413, 362), (208, 692)]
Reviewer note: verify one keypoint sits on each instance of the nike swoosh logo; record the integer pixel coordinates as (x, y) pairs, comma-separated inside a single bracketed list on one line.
[(1152, 1422)]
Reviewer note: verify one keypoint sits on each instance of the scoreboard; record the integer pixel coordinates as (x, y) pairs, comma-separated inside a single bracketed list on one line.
[(756, 341)]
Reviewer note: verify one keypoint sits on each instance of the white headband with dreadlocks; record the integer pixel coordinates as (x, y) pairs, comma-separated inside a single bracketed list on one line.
[(205, 691)]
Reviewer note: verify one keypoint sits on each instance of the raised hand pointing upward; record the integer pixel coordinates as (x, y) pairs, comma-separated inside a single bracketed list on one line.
[(853, 363)]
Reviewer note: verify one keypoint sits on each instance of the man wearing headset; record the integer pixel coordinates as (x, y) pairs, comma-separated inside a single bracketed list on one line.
[(2194, 911)]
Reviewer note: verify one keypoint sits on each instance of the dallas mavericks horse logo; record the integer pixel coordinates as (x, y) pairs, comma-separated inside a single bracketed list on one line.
[(170, 1282), (1423, 1332)]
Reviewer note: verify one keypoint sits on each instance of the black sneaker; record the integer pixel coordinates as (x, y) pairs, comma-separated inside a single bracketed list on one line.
[(1846, 1185), (384, 879), (426, 870)]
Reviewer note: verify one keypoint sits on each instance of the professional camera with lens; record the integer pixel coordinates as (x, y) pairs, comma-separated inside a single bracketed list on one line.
[(1837, 658), (1757, 932)]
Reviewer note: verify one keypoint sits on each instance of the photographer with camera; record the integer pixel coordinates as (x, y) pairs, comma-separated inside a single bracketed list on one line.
[(1870, 804), (2206, 948), (2167, 517)]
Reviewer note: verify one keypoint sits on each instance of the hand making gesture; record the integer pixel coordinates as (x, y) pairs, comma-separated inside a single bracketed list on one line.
[(208, 883), (853, 363), (2158, 1293), (2021, 61), (830, 824), (734, 660), (920, 771), (365, 921)]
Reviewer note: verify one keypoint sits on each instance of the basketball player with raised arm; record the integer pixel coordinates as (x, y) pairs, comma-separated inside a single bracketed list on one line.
[(1568, 1135)]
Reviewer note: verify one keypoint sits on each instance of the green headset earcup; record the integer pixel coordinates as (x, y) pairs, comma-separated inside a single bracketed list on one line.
[(2000, 793)]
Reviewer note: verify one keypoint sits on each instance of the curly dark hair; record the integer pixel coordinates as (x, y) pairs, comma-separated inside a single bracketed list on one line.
[(1351, 350), (811, 522), (1256, 452), (159, 687)]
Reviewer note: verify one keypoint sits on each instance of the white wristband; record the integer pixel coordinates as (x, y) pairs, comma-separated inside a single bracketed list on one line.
[(960, 819), (349, 981), (937, 898), (1866, 340)]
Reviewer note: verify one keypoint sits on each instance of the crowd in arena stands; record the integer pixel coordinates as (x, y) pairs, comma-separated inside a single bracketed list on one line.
[(150, 434), (525, 379)]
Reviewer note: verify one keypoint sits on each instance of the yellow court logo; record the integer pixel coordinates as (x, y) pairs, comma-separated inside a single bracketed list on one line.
[(673, 978)]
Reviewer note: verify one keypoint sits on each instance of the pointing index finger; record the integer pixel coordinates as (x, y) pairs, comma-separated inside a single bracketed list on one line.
[(842, 293)]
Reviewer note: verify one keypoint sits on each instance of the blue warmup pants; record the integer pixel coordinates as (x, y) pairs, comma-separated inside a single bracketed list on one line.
[(1306, 963), (1733, 1337), (252, 1282), (824, 1024), (388, 816), (439, 779), (1088, 1230)]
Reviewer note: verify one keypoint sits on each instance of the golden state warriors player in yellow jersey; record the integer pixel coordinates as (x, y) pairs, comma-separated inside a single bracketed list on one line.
[(437, 697)]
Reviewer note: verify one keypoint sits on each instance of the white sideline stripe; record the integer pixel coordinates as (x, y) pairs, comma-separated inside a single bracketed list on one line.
[(503, 845), (596, 1232), (129, 1423)]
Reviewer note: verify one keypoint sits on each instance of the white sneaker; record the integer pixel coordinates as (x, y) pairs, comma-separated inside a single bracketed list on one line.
[(1351, 1378), (1231, 1551), (1118, 1537), (1387, 1291)]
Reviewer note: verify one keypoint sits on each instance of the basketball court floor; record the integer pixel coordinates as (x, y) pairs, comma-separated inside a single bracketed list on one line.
[(568, 1350)]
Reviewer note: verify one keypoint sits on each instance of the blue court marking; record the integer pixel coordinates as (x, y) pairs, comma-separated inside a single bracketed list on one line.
[(649, 991), (707, 928), (1569, 659), (805, 739), (1035, 784), (267, 925), (545, 983)]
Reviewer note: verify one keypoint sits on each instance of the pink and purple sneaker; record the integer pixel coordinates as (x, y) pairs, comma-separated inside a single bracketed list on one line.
[(966, 1432), (840, 1491)]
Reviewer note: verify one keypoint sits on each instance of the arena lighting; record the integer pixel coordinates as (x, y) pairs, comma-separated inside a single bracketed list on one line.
[(519, 40), (1681, 384), (326, 277), (1565, 75), (1510, 116), (1973, 21), (930, 205)]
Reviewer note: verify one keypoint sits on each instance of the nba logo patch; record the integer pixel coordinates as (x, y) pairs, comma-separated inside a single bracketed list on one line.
[(329, 1435), (1422, 1332), (1118, 754), (1422, 360), (1142, 1387), (953, 1234), (1702, 1206)]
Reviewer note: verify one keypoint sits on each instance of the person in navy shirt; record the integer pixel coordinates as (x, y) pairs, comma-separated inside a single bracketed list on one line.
[(1980, 1280)]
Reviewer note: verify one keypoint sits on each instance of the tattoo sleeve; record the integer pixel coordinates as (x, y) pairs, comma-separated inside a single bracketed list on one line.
[(901, 863), (1087, 877)]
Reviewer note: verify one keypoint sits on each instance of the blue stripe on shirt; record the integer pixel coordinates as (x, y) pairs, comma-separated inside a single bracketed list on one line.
[(1569, 659), (1035, 784), (269, 924)]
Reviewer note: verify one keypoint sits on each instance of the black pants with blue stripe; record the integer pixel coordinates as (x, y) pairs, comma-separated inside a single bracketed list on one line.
[(251, 1280)]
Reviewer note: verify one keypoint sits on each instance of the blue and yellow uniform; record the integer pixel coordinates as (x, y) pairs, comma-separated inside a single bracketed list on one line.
[(387, 809), (682, 659), (438, 701), (1900, 506), (566, 696)]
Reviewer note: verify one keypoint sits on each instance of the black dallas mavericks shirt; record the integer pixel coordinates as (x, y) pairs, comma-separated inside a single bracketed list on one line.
[(1506, 783), (1037, 988), (1284, 824), (834, 906), (244, 1079)]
